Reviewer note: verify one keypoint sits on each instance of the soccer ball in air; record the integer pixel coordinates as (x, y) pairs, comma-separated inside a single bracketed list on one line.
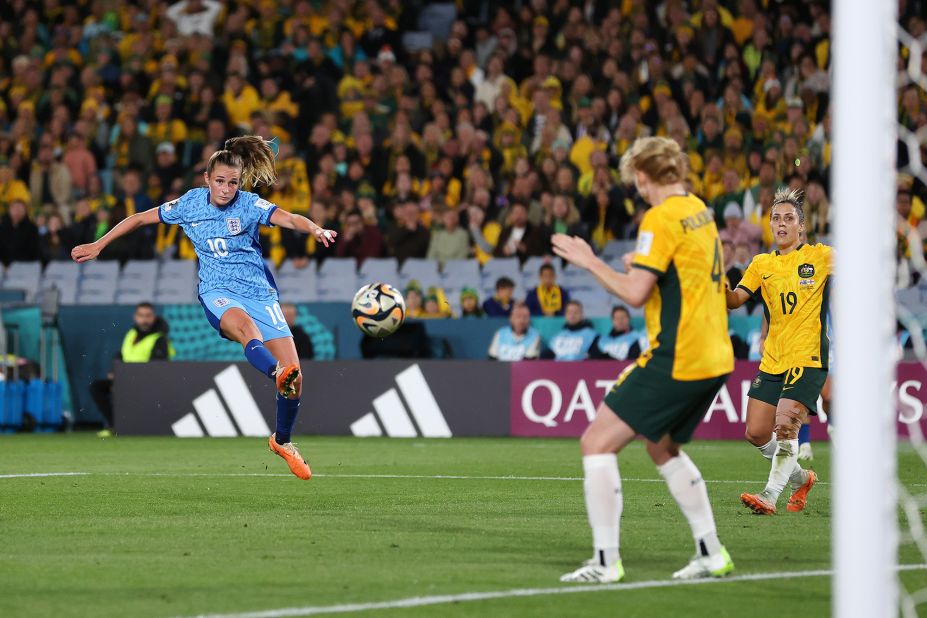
[(378, 309)]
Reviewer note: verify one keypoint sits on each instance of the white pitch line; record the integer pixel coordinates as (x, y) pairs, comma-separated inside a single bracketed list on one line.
[(42, 474), (466, 597), (378, 476)]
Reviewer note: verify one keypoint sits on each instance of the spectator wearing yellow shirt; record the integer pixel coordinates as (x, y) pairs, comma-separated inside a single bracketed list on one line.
[(241, 100), (165, 127), (11, 188), (278, 102)]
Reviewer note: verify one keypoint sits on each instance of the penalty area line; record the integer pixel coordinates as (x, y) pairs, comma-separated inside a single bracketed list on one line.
[(468, 597)]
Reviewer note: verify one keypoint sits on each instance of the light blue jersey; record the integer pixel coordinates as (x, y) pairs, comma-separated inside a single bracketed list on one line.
[(232, 270), (226, 241), (620, 346), (507, 346), (573, 344)]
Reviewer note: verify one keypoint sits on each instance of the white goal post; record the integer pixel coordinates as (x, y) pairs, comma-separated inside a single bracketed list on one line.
[(865, 531)]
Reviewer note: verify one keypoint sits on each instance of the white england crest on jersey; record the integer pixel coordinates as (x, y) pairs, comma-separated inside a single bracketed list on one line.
[(234, 225), (222, 301)]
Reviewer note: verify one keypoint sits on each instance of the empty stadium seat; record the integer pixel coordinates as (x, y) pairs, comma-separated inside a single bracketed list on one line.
[(97, 296), (596, 303), (142, 269), (23, 276), (100, 269), (169, 296), (178, 268), (574, 278), (461, 273), (337, 280), (617, 248), (422, 270), (297, 285), (62, 270), (383, 270), (500, 267)]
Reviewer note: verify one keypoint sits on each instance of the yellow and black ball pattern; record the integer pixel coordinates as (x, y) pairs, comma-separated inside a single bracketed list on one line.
[(378, 309)]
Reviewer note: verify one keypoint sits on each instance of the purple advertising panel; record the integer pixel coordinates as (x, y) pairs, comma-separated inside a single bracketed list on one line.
[(559, 399)]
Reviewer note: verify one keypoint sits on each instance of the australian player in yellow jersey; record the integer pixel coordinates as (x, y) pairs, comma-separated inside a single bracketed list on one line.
[(677, 273), (793, 282)]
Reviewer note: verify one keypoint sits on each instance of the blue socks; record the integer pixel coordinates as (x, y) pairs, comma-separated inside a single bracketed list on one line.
[(804, 434), (260, 358), (287, 409)]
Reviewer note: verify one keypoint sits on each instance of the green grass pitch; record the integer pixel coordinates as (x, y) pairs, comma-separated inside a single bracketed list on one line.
[(166, 527)]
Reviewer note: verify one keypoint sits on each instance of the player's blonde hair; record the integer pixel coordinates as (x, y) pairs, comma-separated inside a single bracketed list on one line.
[(795, 197), (660, 158), (252, 155)]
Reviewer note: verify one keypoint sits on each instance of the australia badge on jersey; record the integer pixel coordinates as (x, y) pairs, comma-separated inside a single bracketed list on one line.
[(805, 274), (233, 225)]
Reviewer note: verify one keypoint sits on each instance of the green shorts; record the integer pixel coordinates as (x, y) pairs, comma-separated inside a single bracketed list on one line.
[(654, 404), (803, 384)]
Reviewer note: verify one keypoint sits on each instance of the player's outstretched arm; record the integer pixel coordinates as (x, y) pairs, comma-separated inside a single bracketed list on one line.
[(84, 253), (736, 297), (633, 288), (282, 218)]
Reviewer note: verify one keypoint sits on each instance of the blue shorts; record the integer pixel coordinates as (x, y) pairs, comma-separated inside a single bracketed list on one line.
[(266, 314)]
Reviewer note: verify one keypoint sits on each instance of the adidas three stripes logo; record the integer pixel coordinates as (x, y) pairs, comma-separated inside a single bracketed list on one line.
[(242, 418), (229, 410), (396, 420)]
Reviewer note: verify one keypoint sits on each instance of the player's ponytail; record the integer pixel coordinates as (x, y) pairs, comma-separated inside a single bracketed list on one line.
[(252, 155)]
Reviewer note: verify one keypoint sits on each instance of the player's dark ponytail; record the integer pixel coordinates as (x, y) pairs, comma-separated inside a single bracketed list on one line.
[(252, 155)]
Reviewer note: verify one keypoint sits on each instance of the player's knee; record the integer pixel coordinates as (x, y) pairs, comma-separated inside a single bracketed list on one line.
[(591, 443), (756, 438), (661, 452), (788, 425)]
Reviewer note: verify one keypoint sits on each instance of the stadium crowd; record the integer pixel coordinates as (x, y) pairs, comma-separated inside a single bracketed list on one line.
[(505, 125)]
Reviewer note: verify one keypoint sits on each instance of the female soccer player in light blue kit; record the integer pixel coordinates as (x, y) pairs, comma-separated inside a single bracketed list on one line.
[(238, 293)]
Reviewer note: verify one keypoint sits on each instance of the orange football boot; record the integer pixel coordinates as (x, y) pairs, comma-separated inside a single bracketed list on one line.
[(291, 456), (800, 497), (758, 504), (286, 379)]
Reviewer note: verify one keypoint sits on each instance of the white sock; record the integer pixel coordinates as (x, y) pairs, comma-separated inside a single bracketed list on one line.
[(784, 463), (686, 484), (798, 475), (602, 486)]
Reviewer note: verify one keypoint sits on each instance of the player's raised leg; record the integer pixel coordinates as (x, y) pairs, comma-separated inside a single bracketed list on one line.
[(287, 409), (277, 360), (238, 326), (600, 443)]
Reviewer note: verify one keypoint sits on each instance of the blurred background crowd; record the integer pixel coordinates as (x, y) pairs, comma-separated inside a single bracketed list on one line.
[(419, 130)]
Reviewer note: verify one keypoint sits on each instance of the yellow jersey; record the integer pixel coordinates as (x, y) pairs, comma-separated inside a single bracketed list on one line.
[(686, 313), (795, 289)]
